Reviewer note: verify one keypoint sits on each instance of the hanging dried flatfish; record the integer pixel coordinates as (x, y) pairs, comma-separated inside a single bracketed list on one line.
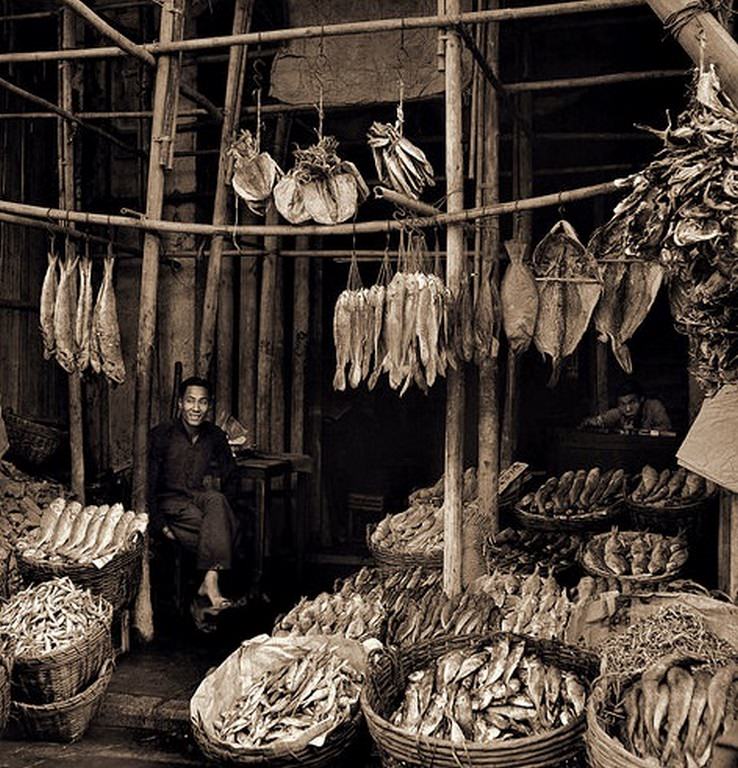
[(83, 324), (105, 326), (64, 321), (519, 298), (47, 308)]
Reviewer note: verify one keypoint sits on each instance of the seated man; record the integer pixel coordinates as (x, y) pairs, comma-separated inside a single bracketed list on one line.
[(187, 457), (634, 411)]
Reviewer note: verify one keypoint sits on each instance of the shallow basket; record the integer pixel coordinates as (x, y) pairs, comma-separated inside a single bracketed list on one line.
[(667, 519), (332, 753), (387, 677), (29, 440), (117, 581), (390, 558), (63, 720), (646, 580), (580, 524), (62, 674)]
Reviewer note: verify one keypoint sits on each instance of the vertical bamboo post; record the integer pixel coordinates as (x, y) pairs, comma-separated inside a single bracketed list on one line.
[(489, 427), (172, 12), (452, 550), (300, 329), (248, 334), (213, 289), (68, 200), (278, 393)]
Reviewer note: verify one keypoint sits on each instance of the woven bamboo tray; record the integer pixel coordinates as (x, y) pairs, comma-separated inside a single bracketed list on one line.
[(644, 581), (62, 674), (6, 669), (29, 440), (599, 520), (117, 581), (391, 558), (63, 720), (385, 686)]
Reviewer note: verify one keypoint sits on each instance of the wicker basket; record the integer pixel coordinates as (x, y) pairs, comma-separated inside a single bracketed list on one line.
[(62, 674), (667, 519), (598, 521), (63, 720), (390, 558), (29, 440), (383, 691), (6, 669), (630, 582), (117, 581)]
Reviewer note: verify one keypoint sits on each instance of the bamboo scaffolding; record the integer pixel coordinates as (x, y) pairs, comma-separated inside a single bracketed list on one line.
[(300, 334), (591, 81), (453, 554), (170, 26), (362, 227), (403, 201), (241, 20), (66, 113), (335, 30)]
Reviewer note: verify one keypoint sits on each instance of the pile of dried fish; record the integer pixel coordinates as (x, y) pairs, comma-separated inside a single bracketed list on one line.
[(670, 488), (495, 692), (77, 333), (580, 495), (51, 616), (398, 161), (635, 553), (394, 589), (675, 711), (569, 287), (519, 298), (681, 212), (320, 186), (522, 551), (352, 616), (91, 534), (254, 172), (281, 705), (418, 529)]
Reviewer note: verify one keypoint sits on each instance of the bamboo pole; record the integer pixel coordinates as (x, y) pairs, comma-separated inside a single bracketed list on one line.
[(276, 441), (248, 342), (68, 199), (170, 24), (704, 39), (336, 30), (362, 227), (66, 113), (300, 331), (591, 81), (453, 505), (403, 201), (241, 21), (489, 427)]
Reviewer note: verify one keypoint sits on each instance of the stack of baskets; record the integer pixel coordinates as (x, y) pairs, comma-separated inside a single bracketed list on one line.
[(55, 694)]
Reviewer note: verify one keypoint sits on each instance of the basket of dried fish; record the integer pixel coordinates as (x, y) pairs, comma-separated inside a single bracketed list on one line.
[(29, 440), (65, 720), (394, 557), (62, 637), (635, 557), (524, 550), (669, 501), (7, 645), (281, 702), (482, 700), (577, 501), (98, 548)]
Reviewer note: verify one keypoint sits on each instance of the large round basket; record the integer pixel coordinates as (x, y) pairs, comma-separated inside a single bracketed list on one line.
[(63, 720), (117, 581), (667, 519), (278, 755), (390, 558), (599, 520), (62, 674), (631, 583), (29, 440), (385, 686), (6, 669)]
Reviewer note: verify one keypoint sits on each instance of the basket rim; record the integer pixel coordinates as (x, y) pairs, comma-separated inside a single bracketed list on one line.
[(689, 506), (387, 556)]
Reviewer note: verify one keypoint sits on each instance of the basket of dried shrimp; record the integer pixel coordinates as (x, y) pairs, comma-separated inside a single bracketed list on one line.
[(499, 700)]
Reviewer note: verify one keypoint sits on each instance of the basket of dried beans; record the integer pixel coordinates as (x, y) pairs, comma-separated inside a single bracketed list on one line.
[(500, 700), (62, 637)]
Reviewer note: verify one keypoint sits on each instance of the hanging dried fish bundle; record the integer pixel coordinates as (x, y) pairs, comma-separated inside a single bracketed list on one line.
[(681, 214), (519, 298), (254, 172), (399, 163), (320, 186)]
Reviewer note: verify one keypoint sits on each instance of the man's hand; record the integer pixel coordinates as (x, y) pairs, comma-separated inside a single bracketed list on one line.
[(167, 531)]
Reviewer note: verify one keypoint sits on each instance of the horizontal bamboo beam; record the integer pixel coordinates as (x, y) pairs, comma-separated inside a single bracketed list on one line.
[(590, 81), (335, 30), (5, 18), (362, 227)]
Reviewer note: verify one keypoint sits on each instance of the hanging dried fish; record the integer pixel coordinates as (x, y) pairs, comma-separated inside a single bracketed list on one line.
[(254, 172), (106, 332), (83, 324), (519, 298), (64, 310), (47, 306), (399, 163)]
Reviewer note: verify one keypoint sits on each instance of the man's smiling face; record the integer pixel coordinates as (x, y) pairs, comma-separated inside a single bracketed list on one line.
[(194, 404)]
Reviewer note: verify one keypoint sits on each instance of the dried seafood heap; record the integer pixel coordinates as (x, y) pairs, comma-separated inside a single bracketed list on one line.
[(635, 554), (254, 172), (398, 161), (670, 488)]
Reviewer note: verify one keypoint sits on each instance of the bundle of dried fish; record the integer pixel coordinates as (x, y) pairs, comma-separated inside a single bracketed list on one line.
[(394, 589), (48, 304), (51, 616), (569, 288), (315, 688), (635, 553), (64, 314), (254, 172), (83, 322), (494, 692), (320, 186), (398, 161)]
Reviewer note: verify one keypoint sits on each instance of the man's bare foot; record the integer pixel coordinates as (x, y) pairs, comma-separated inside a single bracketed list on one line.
[(210, 589)]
